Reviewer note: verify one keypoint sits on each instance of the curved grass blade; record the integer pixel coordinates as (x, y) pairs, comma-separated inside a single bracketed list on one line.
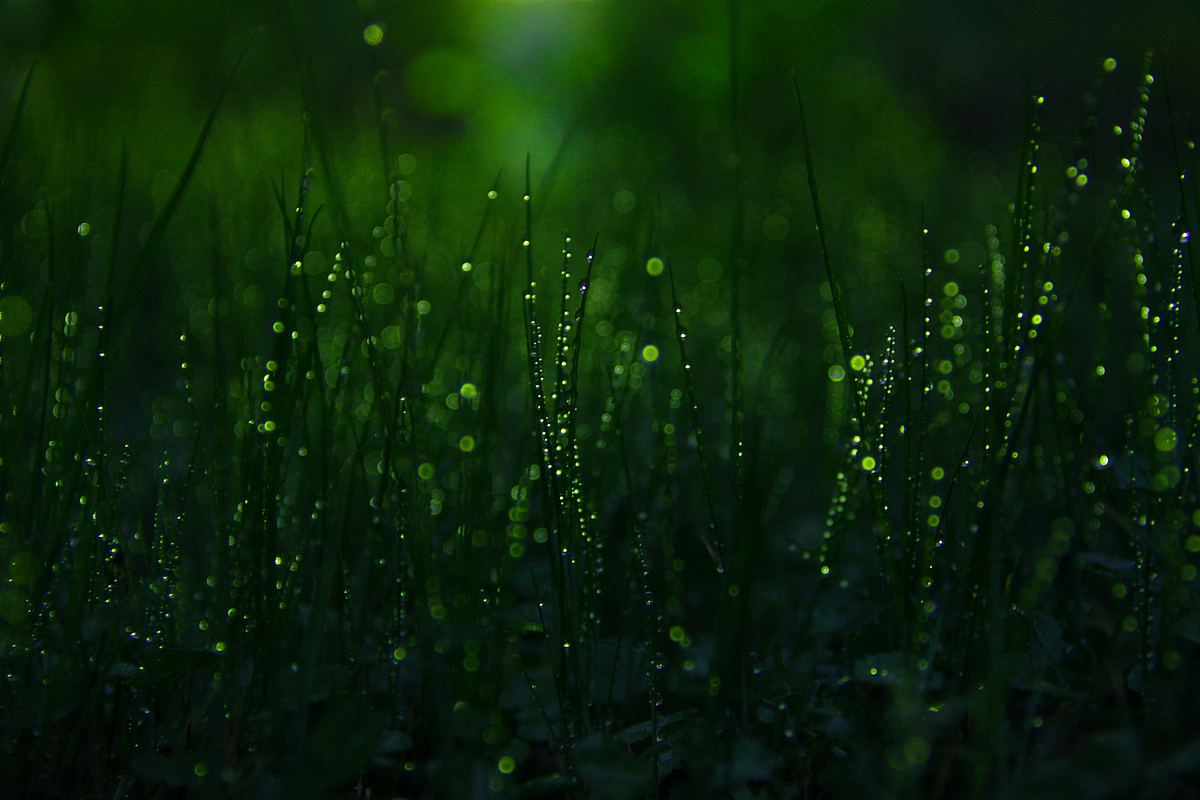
[(157, 231), (18, 110)]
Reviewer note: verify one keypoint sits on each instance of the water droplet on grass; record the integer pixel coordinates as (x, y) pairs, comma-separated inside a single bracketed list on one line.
[(373, 34)]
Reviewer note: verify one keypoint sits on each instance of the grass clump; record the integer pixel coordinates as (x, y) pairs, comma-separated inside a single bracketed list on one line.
[(419, 509)]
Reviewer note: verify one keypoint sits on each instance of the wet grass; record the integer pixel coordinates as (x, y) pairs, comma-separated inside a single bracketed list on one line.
[(480, 510)]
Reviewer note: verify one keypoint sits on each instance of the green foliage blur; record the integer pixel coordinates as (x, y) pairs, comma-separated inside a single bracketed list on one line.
[(911, 104), (624, 107)]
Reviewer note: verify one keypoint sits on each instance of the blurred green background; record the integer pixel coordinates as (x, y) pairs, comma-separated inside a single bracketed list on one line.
[(624, 107), (911, 102)]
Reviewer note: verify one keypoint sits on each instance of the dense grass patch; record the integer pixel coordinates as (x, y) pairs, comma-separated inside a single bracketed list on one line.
[(311, 490)]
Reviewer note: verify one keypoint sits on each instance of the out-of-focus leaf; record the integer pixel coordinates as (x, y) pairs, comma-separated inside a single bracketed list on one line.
[(609, 770), (342, 740), (643, 730), (555, 785)]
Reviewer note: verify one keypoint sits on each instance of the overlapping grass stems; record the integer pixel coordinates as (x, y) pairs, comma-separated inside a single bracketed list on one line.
[(358, 565)]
